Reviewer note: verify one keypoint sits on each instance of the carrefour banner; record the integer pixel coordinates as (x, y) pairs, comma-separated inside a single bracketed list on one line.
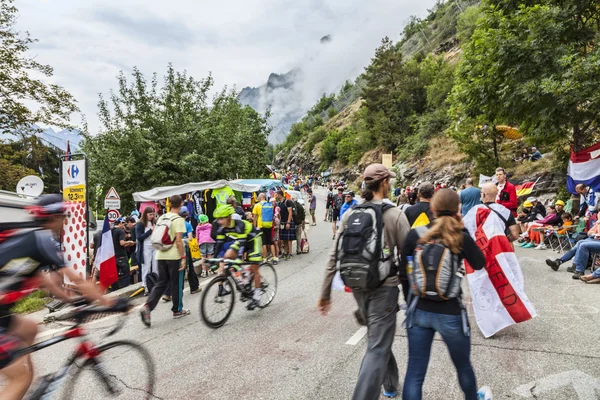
[(73, 181)]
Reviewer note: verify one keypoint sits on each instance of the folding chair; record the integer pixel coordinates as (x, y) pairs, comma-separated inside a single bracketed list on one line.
[(565, 240), (595, 261)]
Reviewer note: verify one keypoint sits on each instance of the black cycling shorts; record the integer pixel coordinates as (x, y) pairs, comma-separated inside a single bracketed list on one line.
[(336, 215)]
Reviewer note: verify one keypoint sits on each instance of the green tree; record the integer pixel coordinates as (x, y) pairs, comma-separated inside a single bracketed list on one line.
[(159, 136), (393, 95), (19, 88), (535, 65)]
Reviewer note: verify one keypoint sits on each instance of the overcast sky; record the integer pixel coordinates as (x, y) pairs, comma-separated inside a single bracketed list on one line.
[(241, 42)]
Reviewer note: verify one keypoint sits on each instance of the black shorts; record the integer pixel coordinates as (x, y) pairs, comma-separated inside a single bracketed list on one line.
[(336, 215), (267, 236)]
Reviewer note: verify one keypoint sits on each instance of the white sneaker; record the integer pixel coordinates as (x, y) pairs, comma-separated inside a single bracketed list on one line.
[(485, 393), (541, 246)]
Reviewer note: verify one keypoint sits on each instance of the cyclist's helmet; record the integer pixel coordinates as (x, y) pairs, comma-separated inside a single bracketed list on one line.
[(49, 205), (224, 211)]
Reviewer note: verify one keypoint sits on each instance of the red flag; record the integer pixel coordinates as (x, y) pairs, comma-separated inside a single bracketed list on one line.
[(105, 259), (68, 152)]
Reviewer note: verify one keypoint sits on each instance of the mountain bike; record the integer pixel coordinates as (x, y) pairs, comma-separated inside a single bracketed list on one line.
[(215, 310), (121, 368)]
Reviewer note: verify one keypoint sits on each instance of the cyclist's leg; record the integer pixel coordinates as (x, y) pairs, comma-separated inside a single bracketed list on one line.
[(20, 371), (254, 258)]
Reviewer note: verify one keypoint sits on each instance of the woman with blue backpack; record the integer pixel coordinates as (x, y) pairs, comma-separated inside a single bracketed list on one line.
[(433, 258)]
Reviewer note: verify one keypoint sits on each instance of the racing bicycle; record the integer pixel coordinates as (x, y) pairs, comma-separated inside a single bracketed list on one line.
[(215, 310), (121, 368)]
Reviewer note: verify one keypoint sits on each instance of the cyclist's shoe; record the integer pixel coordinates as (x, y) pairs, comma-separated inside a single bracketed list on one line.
[(166, 298), (275, 260), (390, 395), (252, 305), (145, 314), (288, 257), (223, 291), (181, 313)]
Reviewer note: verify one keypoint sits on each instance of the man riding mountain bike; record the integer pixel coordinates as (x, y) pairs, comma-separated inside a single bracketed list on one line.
[(28, 259), (248, 241)]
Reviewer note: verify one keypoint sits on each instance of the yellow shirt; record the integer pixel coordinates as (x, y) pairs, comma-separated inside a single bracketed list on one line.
[(257, 210), (177, 226)]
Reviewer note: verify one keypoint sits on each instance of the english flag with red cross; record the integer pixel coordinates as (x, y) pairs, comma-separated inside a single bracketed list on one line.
[(498, 290)]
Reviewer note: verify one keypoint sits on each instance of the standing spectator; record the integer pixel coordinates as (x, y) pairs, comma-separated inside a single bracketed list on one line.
[(288, 230), (338, 202), (507, 193), (239, 211), (397, 191), (299, 222), (489, 194), (420, 214), (412, 198), (205, 242), (377, 306), (171, 266), (535, 155), (470, 196), (189, 235), (402, 202), (121, 244), (132, 250), (276, 228), (264, 213), (145, 251), (349, 202), (312, 201), (448, 318), (328, 204)]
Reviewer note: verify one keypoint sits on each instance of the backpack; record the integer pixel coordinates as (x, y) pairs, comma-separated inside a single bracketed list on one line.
[(300, 214), (161, 235), (329, 201), (436, 273), (266, 214), (361, 259), (338, 202)]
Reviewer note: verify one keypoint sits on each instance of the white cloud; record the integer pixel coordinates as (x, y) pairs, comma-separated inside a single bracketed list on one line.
[(240, 41)]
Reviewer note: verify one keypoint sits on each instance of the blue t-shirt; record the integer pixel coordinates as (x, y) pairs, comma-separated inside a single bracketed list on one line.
[(469, 198), (188, 228)]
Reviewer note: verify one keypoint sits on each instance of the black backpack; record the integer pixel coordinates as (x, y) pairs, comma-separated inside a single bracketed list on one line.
[(338, 202), (361, 259), (300, 213)]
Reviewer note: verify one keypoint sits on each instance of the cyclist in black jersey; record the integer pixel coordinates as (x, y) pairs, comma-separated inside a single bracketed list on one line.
[(29, 259), (248, 241)]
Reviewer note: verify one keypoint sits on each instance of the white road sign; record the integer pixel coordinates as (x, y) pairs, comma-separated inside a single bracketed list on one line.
[(112, 199)]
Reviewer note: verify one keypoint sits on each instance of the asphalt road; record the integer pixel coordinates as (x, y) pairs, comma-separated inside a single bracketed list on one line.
[(289, 351)]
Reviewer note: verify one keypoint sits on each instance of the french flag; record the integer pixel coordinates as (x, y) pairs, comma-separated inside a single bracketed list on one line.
[(584, 167), (105, 258)]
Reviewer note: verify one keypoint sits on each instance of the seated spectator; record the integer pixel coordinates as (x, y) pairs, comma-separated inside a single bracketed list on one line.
[(567, 219), (535, 155), (593, 236), (521, 157), (532, 236), (523, 215)]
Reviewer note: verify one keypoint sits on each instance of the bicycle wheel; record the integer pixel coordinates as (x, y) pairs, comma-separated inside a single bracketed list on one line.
[(215, 310), (268, 284), (127, 368)]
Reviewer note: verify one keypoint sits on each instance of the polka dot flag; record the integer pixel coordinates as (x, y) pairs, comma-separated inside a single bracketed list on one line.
[(74, 241)]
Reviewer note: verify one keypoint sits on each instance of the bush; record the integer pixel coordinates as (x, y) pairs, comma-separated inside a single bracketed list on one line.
[(34, 302)]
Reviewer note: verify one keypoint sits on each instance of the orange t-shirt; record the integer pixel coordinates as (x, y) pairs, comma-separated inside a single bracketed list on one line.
[(564, 231)]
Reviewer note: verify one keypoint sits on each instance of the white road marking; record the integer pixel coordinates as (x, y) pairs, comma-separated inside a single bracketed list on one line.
[(360, 333), (583, 384)]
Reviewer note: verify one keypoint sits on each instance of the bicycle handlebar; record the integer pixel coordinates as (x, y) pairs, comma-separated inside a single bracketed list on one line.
[(80, 313)]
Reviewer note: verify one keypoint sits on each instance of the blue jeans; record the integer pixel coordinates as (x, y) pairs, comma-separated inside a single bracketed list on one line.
[(420, 337), (571, 253), (583, 253)]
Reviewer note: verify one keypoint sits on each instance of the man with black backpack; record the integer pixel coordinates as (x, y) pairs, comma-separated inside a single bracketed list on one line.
[(337, 203), (370, 235), (299, 221)]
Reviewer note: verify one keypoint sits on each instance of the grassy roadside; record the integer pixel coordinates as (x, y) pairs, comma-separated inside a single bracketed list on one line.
[(32, 303)]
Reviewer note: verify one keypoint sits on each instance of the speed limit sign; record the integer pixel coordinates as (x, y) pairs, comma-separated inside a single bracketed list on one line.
[(112, 215)]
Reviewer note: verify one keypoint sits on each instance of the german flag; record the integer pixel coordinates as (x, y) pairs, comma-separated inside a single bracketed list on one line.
[(525, 188)]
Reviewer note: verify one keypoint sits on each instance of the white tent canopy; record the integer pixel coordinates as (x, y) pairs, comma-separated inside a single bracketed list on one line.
[(167, 191)]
